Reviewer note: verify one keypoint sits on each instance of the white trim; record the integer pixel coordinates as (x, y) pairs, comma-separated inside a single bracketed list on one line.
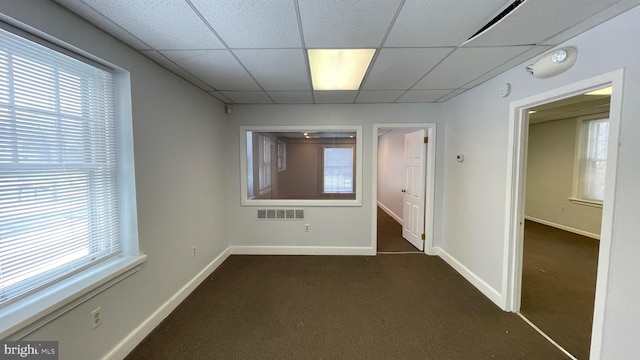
[(301, 250), (430, 177), (471, 277), (591, 203), (391, 213), (135, 337), (563, 227), (515, 185)]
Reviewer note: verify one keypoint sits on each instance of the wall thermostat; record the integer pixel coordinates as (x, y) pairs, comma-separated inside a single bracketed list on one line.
[(460, 157)]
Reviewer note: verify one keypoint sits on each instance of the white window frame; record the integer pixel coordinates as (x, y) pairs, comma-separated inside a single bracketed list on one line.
[(582, 139), (247, 201), (25, 315)]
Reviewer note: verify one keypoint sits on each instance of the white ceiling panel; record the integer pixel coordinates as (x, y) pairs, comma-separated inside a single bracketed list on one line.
[(346, 24), (217, 68), (253, 51), (277, 69), (291, 97), (253, 24), (163, 24), (247, 97), (422, 96), (218, 95), (93, 16), (401, 68), (378, 96), (466, 64), (169, 65), (535, 21), (334, 97), (421, 23)]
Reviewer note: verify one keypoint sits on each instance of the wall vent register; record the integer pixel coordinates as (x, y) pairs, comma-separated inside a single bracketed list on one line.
[(280, 214)]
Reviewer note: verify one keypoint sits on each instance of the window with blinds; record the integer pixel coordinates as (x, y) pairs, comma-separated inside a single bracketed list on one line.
[(58, 173), (592, 159)]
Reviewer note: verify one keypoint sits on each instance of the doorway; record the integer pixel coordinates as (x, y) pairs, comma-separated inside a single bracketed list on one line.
[(403, 174), (515, 203), (565, 168)]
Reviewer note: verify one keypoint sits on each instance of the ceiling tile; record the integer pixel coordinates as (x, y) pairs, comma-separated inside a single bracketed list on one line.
[(401, 68), (218, 95), (346, 24), (162, 24), (421, 23), (217, 68), (452, 94), (104, 23), (334, 97), (533, 51), (422, 96), (381, 96), (535, 21), (168, 64), (291, 97), (277, 69), (247, 97), (253, 24), (456, 70)]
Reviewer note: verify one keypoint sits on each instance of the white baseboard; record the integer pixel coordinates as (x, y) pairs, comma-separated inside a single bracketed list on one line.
[(138, 334), (563, 227), (301, 250), (474, 279), (391, 213)]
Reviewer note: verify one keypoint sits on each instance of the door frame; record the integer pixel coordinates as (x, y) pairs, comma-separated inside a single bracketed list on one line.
[(429, 180), (516, 171)]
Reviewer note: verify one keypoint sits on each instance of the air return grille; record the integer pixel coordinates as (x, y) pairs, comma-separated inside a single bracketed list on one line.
[(280, 214)]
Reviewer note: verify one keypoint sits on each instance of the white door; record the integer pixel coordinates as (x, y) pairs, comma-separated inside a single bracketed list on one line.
[(415, 155)]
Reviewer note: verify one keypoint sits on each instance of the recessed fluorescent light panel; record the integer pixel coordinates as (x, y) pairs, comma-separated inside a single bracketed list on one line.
[(603, 91), (338, 69)]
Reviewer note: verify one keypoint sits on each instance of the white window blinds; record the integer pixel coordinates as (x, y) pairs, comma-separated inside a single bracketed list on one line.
[(338, 170), (58, 181), (593, 162)]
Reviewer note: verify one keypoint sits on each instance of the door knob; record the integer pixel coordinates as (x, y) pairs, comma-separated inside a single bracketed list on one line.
[(403, 190)]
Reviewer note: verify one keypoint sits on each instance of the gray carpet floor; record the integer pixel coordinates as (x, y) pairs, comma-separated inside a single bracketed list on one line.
[(408, 306), (558, 285), (389, 234)]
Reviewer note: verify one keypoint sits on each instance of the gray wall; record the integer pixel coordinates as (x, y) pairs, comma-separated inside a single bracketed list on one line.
[(180, 151), (391, 171), (550, 164)]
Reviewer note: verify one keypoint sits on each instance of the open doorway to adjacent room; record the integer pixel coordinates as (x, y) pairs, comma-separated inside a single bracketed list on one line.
[(565, 176), (403, 189), (594, 151)]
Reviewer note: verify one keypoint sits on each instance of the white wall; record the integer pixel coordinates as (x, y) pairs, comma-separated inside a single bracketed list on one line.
[(550, 164), (391, 172), (341, 230), (180, 149), (477, 124)]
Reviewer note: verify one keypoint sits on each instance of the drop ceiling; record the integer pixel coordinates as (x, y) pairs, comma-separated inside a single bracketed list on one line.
[(254, 51)]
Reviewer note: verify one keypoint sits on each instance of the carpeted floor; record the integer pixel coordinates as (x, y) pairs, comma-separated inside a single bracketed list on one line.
[(558, 285), (408, 306), (390, 235)]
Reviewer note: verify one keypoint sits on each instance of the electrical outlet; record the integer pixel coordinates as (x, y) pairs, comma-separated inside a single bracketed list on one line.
[(307, 228), (193, 251), (96, 317)]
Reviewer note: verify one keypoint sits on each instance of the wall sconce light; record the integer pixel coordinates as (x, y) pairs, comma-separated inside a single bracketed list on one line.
[(554, 62)]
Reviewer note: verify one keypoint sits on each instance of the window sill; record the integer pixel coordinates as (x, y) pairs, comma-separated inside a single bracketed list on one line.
[(591, 203), (31, 313)]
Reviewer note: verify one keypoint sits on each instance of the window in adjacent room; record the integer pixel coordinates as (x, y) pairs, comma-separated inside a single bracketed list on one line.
[(61, 169), (591, 160), (338, 170)]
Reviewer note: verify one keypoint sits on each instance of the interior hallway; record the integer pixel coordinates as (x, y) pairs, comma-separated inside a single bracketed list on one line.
[(390, 235)]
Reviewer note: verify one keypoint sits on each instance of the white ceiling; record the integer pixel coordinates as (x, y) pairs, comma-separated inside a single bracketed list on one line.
[(253, 51)]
